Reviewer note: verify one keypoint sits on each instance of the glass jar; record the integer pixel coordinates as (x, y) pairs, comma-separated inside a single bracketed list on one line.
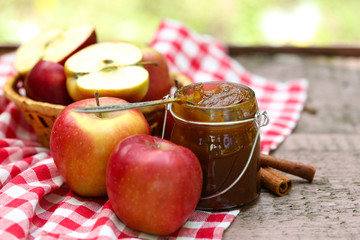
[(223, 139)]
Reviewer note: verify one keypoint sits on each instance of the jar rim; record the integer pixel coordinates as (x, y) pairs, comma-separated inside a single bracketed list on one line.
[(228, 108), (227, 123), (251, 92)]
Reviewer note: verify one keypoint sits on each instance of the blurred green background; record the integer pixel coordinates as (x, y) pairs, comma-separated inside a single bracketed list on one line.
[(239, 22)]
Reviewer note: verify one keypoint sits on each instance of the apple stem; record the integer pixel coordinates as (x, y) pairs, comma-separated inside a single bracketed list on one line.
[(147, 63), (114, 67), (97, 101), (176, 81)]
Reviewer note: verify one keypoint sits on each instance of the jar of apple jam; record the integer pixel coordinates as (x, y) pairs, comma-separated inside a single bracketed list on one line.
[(219, 122)]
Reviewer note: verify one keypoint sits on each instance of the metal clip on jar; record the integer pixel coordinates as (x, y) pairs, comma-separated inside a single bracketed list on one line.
[(227, 143)]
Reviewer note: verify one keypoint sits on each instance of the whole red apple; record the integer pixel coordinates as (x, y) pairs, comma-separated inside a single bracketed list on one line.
[(81, 143), (153, 185), (46, 82), (159, 77)]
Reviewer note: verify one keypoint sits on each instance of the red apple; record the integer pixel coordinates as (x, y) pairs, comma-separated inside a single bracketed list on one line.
[(159, 77), (153, 185), (81, 143), (54, 45), (46, 82)]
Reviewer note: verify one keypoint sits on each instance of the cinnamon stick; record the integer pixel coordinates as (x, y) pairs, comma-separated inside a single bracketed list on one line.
[(275, 181), (294, 168)]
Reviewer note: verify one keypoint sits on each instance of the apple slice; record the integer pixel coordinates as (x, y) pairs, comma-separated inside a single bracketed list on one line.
[(113, 69), (28, 54), (54, 45)]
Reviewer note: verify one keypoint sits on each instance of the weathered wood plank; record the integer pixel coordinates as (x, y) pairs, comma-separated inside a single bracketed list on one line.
[(329, 207)]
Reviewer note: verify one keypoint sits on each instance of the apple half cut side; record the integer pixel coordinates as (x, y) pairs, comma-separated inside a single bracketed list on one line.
[(112, 69), (55, 45)]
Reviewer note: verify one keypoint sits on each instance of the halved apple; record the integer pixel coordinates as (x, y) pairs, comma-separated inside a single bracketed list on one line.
[(28, 54), (55, 45), (113, 69)]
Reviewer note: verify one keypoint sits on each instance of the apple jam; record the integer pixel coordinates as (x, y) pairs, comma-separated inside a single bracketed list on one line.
[(212, 123)]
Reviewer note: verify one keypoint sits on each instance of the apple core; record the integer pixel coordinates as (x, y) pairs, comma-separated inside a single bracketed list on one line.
[(120, 78)]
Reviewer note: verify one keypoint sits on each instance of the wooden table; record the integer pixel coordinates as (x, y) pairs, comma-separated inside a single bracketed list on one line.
[(327, 137)]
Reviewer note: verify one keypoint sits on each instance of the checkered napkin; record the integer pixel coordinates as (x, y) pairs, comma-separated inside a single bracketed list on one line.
[(35, 203)]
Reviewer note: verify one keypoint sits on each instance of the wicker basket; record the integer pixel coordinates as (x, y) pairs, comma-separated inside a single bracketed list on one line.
[(42, 115)]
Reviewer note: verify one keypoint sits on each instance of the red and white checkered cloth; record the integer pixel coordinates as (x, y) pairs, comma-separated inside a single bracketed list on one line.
[(35, 202)]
